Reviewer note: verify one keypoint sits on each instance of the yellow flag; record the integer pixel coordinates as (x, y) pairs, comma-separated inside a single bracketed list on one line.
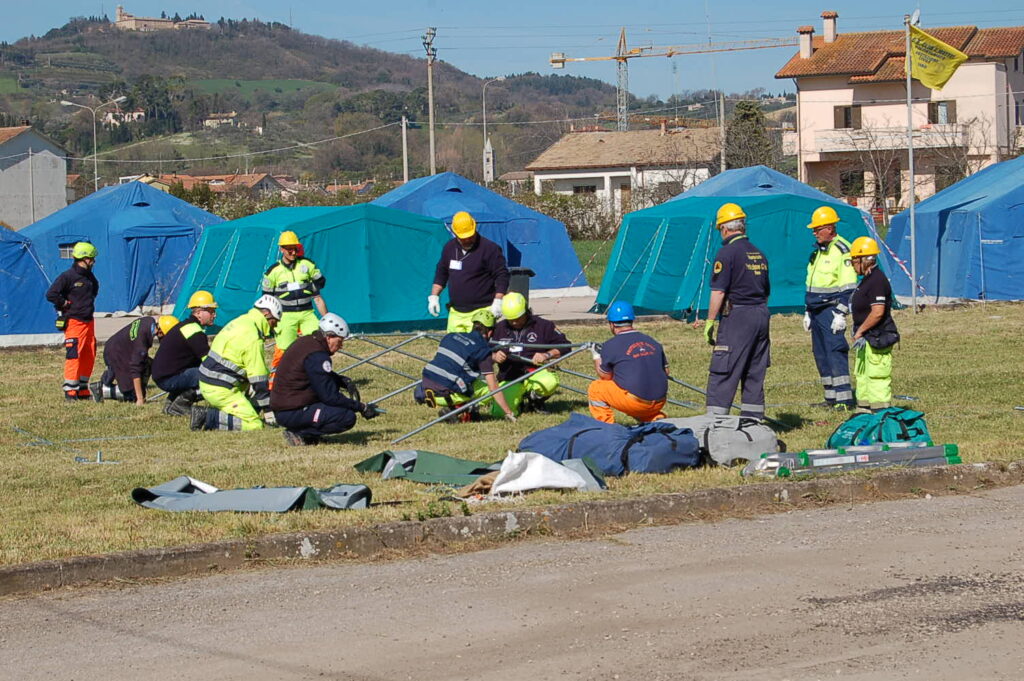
[(932, 61)]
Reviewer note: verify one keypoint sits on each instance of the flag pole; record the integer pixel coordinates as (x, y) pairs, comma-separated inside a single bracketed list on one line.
[(910, 169)]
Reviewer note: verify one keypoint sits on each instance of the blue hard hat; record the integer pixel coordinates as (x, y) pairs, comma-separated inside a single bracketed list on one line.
[(621, 311)]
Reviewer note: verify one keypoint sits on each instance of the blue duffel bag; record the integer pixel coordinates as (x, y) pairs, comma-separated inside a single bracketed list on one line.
[(648, 448)]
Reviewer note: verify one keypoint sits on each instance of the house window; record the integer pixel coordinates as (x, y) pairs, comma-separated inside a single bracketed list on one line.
[(65, 251), (846, 117), (584, 189), (942, 113), (851, 183), (946, 176)]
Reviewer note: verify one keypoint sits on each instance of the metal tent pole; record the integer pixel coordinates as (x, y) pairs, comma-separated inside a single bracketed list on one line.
[(395, 348), (377, 354), (685, 405), (379, 366), (395, 392)]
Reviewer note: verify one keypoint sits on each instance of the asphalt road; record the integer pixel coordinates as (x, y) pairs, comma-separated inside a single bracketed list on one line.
[(923, 589)]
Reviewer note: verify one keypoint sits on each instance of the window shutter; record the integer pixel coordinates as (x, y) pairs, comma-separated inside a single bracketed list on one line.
[(837, 117), (933, 112), (855, 117), (951, 111)]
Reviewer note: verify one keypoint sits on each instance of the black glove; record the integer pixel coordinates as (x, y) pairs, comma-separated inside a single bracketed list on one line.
[(369, 411), (349, 386)]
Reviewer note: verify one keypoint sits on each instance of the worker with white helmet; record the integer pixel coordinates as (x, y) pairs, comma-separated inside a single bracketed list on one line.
[(875, 332), (307, 398), (182, 349), (474, 270), (296, 281), (126, 355), (234, 366)]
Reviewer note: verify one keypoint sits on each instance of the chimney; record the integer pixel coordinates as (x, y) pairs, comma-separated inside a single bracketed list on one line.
[(664, 126), (828, 20), (806, 36)]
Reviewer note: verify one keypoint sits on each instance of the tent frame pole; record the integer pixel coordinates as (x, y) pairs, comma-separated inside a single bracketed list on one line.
[(377, 354), (379, 366), (685, 405)]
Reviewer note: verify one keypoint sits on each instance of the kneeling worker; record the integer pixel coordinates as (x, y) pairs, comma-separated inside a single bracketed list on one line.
[(306, 398), (453, 376), (632, 371), (126, 355), (182, 349), (521, 328), (235, 364)]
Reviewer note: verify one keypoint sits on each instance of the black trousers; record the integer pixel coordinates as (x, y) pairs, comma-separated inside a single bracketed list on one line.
[(317, 419), (742, 355)]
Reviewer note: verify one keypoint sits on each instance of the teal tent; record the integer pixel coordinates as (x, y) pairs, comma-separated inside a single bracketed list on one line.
[(378, 262), (662, 258)]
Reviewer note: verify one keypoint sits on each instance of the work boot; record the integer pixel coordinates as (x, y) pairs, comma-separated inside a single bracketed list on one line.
[(293, 439), (464, 417), (197, 418), (96, 388), (842, 407), (70, 395), (533, 402), (182, 404)]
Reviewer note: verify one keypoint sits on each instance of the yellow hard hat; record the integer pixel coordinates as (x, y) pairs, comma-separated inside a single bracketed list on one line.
[(484, 316), (202, 299), (463, 225), (83, 249), (513, 305), (823, 217), (729, 212), (862, 246), (288, 238), (166, 323)]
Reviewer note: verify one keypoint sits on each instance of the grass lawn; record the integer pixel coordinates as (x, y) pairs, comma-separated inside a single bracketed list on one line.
[(963, 364), (593, 255)]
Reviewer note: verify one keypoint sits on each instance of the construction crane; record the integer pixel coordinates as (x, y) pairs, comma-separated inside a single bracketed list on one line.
[(623, 54)]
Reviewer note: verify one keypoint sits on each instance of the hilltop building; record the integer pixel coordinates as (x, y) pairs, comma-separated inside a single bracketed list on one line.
[(130, 22)]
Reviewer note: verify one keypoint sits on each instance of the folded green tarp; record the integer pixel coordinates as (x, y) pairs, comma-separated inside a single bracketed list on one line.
[(429, 467), (188, 494)]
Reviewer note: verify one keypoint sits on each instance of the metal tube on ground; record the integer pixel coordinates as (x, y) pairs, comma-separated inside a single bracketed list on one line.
[(480, 399), (395, 392), (156, 397), (669, 400), (375, 355), (379, 366), (401, 352)]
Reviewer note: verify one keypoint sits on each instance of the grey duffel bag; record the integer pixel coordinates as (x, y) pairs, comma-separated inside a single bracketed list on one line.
[(730, 440)]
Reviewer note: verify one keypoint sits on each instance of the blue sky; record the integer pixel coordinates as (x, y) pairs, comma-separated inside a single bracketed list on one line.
[(490, 38)]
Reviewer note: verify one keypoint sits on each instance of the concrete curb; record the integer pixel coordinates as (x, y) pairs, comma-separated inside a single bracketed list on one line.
[(570, 519)]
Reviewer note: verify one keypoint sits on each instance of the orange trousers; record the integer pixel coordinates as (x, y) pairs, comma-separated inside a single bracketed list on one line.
[(605, 395), (79, 357)]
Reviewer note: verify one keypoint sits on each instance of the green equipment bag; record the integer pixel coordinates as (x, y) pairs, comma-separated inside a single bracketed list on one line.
[(893, 424)]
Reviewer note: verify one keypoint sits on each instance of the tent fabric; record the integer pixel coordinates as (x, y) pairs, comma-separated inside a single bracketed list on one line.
[(527, 238), (970, 239), (25, 316), (373, 259), (188, 494), (662, 258), (427, 467), (145, 239)]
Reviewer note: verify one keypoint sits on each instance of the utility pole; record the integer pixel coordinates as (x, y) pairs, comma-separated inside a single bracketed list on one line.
[(428, 45), (405, 149), (622, 91), (721, 124)]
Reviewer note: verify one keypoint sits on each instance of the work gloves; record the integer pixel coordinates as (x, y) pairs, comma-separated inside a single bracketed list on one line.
[(349, 386), (595, 351), (496, 307), (510, 417), (807, 321), (369, 411), (838, 322), (858, 343), (434, 305), (709, 331), (269, 418)]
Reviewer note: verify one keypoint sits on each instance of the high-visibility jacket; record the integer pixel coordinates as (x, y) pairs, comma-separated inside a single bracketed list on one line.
[(831, 278), (236, 357), (294, 285)]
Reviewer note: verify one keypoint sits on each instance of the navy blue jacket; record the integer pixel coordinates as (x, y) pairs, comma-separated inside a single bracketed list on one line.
[(461, 358), (479, 274)]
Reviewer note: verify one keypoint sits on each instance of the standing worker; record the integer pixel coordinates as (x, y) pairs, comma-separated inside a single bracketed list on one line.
[(73, 293), (874, 331), (739, 291), (182, 349), (296, 281), (473, 268), (523, 341), (234, 365), (830, 281), (306, 398), (126, 355), (632, 371)]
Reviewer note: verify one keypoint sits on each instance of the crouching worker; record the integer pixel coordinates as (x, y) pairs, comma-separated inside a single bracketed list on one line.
[(454, 376), (126, 355), (306, 399), (522, 340), (632, 372), (182, 349), (234, 366)]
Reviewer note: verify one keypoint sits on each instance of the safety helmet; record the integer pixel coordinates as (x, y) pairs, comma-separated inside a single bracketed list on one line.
[(823, 217), (166, 323), (202, 299), (729, 212), (288, 238), (333, 325), (463, 225), (83, 249), (621, 311), (513, 305), (270, 304), (863, 246), (483, 316)]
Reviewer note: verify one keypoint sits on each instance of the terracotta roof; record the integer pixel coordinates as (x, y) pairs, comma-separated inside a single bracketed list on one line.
[(10, 133), (863, 55), (217, 183), (632, 148), (892, 70)]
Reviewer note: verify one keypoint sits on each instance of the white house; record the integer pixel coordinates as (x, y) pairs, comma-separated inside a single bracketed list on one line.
[(33, 176)]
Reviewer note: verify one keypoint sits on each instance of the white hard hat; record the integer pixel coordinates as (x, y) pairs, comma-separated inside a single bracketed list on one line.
[(333, 325), (270, 304)]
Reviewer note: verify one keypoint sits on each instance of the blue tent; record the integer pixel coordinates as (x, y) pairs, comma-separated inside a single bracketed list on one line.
[(970, 238), (25, 316), (661, 261), (528, 238), (145, 239)]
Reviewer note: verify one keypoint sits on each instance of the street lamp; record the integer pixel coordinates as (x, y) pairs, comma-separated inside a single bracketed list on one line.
[(94, 109), (484, 97)]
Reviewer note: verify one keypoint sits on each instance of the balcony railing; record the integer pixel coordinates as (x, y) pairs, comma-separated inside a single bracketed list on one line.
[(870, 139)]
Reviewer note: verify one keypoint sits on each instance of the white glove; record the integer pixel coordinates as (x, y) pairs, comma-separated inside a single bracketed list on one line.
[(269, 418), (596, 354), (434, 305), (510, 417), (838, 322), (807, 321), (496, 307)]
